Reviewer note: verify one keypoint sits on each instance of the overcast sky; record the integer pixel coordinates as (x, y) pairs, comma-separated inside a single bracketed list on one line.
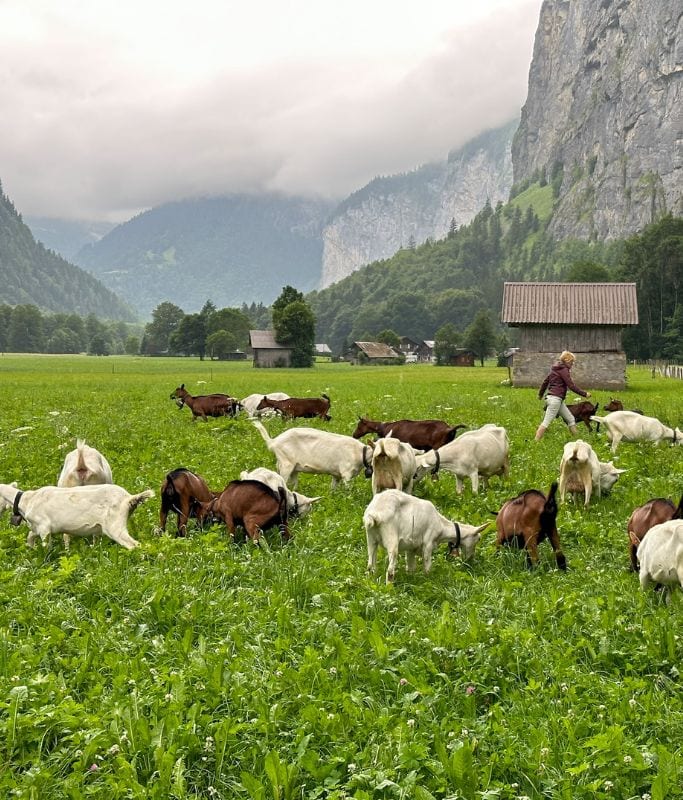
[(109, 108)]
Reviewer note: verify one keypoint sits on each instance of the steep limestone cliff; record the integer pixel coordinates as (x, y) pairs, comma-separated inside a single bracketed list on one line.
[(390, 213), (603, 114)]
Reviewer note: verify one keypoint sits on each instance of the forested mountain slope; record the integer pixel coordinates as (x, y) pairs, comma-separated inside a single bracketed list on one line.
[(31, 274), (393, 211), (448, 281), (232, 249)]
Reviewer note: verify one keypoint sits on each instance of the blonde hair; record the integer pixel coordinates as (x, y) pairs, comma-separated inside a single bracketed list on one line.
[(567, 356)]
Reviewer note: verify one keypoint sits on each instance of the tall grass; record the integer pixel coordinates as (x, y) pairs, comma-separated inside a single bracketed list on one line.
[(196, 668)]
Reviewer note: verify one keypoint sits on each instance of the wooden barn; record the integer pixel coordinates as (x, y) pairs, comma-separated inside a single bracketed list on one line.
[(267, 352), (373, 353), (586, 318)]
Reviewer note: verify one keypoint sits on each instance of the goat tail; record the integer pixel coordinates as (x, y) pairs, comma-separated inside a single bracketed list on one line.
[(136, 499), (264, 433), (678, 513), (322, 394), (550, 506), (283, 512)]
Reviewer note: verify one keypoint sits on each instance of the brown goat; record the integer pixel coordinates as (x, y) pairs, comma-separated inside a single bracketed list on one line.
[(251, 504), (206, 405), (617, 405), (425, 434), (527, 520), (654, 512), (299, 406), (582, 412), (181, 492)]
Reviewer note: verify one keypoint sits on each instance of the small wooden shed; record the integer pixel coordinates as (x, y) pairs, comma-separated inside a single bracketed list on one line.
[(267, 352), (586, 318), (373, 353)]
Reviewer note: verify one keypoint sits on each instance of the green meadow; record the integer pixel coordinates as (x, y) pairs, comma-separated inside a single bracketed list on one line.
[(200, 668)]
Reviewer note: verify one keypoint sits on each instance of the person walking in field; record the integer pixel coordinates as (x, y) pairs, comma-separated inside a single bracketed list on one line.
[(556, 383)]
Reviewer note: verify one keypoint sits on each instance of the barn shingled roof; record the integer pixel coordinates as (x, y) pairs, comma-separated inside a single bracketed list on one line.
[(265, 340), (377, 350), (570, 303)]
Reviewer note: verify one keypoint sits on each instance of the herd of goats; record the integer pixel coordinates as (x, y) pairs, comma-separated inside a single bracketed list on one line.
[(86, 502)]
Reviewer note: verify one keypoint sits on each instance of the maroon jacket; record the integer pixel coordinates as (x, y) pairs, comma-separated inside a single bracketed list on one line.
[(557, 382)]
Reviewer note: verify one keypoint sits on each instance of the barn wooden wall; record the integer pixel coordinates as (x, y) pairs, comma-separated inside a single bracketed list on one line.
[(591, 371), (578, 339)]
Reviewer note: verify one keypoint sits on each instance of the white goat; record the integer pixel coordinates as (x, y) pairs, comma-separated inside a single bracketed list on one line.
[(297, 503), (84, 466), (474, 454), (403, 523), (250, 403), (661, 555), (633, 427), (318, 452), (393, 465), (101, 510), (579, 470)]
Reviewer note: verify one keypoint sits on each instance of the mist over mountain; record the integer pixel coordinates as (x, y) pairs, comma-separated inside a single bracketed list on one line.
[(66, 236), (232, 249)]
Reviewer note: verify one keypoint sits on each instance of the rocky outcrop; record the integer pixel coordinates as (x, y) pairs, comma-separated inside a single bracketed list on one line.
[(603, 114), (401, 210)]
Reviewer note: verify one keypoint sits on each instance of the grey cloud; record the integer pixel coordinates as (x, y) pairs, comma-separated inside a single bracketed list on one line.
[(86, 146)]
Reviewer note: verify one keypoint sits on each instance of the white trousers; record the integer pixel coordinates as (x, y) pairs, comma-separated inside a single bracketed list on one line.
[(555, 406)]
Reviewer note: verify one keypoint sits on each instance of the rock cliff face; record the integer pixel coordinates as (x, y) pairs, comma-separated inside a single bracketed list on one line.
[(603, 114), (390, 213)]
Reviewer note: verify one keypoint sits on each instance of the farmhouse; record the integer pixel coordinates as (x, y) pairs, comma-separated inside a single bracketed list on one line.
[(267, 352), (585, 318), (373, 353), (421, 350), (322, 350)]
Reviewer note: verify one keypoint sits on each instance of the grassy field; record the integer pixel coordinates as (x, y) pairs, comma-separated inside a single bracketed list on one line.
[(196, 668)]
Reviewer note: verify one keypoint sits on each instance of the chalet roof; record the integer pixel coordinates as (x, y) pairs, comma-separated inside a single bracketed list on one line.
[(323, 349), (265, 340), (377, 350), (570, 303)]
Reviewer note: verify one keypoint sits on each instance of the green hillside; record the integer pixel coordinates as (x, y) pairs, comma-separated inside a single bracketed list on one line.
[(420, 289), (30, 274)]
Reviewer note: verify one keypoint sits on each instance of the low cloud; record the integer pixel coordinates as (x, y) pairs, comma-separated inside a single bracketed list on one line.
[(85, 144)]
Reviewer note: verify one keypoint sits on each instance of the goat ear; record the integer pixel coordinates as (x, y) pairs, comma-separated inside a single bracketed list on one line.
[(620, 471), (482, 528), (313, 499), (634, 539), (182, 385)]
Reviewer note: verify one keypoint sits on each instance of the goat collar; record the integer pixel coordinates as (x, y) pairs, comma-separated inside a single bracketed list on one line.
[(295, 509), (453, 546), (366, 463), (17, 516), (435, 469)]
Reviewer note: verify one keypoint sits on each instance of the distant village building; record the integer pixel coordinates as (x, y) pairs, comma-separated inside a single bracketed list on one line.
[(322, 351), (373, 353), (267, 352), (462, 358), (417, 350), (585, 318)]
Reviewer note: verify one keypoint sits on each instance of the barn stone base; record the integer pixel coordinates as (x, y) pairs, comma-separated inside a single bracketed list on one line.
[(591, 371)]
